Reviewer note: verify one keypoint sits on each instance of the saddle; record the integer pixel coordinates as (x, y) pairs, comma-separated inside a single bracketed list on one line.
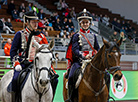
[(23, 76)]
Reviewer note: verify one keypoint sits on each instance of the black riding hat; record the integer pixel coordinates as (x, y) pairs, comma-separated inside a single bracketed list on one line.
[(30, 15), (84, 15)]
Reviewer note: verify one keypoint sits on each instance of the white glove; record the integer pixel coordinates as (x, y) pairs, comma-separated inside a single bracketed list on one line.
[(18, 68)]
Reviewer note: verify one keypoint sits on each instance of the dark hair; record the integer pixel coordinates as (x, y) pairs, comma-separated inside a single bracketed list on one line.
[(56, 54)]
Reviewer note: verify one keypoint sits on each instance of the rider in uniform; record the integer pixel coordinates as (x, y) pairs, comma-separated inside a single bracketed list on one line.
[(22, 50), (83, 45)]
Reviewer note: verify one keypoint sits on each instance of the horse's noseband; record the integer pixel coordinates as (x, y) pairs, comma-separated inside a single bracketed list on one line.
[(115, 68), (45, 68)]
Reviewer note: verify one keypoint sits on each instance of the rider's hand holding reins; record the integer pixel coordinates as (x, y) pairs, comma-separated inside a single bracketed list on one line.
[(89, 56)]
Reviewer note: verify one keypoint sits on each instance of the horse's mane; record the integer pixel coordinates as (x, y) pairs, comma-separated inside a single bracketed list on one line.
[(99, 55)]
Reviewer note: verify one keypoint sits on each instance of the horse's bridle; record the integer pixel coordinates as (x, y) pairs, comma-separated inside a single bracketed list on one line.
[(37, 77), (115, 68), (109, 69)]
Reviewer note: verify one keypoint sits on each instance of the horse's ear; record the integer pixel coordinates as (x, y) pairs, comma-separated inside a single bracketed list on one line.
[(51, 45), (36, 44), (119, 42), (105, 43)]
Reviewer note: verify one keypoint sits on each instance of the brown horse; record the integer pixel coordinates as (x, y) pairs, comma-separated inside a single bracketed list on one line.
[(92, 87)]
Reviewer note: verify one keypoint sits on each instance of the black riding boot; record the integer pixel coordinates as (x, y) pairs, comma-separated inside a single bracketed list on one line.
[(13, 97), (70, 92), (53, 74)]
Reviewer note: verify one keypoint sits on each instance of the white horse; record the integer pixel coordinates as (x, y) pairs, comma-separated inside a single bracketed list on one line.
[(37, 87)]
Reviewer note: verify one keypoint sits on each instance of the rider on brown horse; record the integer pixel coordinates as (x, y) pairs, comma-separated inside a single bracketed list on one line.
[(83, 45)]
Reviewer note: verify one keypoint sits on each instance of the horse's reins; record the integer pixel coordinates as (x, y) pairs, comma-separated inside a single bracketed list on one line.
[(43, 68)]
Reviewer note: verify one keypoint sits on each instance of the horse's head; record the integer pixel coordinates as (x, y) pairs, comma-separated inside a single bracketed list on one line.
[(42, 63), (112, 58)]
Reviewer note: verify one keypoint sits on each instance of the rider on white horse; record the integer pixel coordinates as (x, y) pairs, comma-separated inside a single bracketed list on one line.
[(23, 50)]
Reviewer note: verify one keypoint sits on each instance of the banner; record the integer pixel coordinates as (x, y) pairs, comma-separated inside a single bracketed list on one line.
[(126, 88)]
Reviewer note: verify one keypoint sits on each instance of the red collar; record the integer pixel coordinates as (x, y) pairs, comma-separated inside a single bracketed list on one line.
[(81, 30)]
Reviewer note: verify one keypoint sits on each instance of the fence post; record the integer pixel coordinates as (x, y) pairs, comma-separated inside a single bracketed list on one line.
[(124, 48)]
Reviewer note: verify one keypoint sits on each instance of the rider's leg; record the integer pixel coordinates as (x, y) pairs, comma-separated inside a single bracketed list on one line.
[(70, 80), (14, 85), (54, 83), (14, 80), (53, 73)]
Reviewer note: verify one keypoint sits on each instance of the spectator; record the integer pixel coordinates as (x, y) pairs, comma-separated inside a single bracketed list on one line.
[(49, 25), (11, 7), (105, 20), (64, 5), (6, 28), (123, 24), (16, 17), (41, 15), (72, 13), (114, 37), (58, 25), (56, 15), (71, 26), (29, 7), (134, 34), (22, 13), (93, 16), (22, 7), (135, 37), (9, 24), (44, 32), (122, 35), (7, 47), (53, 17), (118, 26), (59, 5), (114, 24), (66, 13), (130, 30), (128, 24), (41, 25), (123, 30), (100, 18), (34, 8), (65, 27), (57, 57)]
